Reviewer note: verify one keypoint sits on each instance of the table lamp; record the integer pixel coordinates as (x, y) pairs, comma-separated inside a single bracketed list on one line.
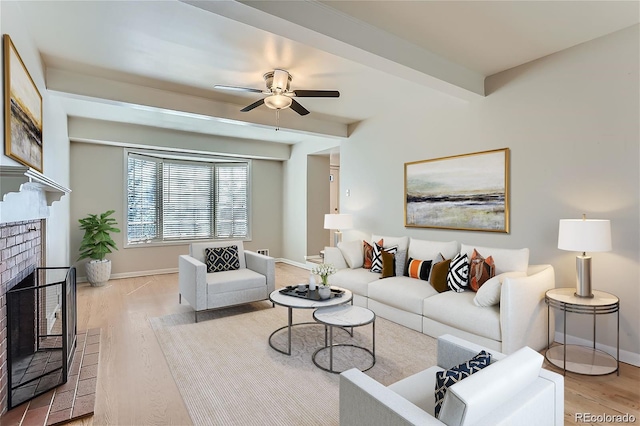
[(585, 235), (338, 222)]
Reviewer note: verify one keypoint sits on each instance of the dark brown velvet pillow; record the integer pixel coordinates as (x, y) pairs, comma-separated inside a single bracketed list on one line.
[(388, 264), (438, 276)]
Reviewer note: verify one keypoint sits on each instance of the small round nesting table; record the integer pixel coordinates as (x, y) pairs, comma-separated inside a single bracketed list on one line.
[(344, 316), (292, 303), (576, 358)]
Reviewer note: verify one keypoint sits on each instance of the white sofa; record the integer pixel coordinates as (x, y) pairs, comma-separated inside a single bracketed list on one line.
[(512, 390), (520, 318), (252, 282)]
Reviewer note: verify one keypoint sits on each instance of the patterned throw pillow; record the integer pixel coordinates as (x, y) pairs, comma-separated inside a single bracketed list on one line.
[(438, 278), (220, 259), (419, 269), (447, 378), (480, 270), (376, 259), (368, 253), (458, 275)]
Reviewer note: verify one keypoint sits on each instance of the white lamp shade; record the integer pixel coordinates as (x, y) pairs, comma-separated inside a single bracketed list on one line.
[(338, 221), (585, 235)]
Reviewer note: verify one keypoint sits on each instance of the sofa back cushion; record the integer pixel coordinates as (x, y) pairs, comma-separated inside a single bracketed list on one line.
[(473, 398), (197, 250), (401, 242), (506, 260), (352, 252), (423, 249)]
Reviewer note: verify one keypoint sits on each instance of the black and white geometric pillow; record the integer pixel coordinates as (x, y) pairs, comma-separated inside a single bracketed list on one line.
[(447, 378), (376, 258), (220, 259), (458, 275)]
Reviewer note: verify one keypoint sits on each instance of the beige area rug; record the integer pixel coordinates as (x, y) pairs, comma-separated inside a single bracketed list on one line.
[(229, 375)]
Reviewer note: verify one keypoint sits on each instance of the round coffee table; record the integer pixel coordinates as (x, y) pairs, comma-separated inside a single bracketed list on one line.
[(291, 303), (344, 316)]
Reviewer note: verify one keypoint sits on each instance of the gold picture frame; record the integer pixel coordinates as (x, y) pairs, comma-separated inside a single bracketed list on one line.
[(467, 192), (22, 110)]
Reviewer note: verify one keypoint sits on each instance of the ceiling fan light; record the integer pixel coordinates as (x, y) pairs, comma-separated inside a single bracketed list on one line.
[(277, 101)]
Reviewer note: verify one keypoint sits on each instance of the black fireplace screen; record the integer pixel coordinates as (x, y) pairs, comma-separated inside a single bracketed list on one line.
[(41, 332)]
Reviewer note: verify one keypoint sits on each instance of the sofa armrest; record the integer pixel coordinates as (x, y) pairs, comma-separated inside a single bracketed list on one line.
[(192, 279), (523, 314), (265, 265), (364, 401), (454, 351), (334, 256)]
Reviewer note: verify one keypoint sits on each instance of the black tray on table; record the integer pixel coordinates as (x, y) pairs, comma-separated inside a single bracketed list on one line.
[(292, 290)]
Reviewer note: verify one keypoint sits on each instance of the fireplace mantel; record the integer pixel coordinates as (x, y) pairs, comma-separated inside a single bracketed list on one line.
[(13, 177)]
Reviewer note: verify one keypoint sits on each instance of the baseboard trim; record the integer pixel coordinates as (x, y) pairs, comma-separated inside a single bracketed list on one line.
[(625, 356), (175, 271)]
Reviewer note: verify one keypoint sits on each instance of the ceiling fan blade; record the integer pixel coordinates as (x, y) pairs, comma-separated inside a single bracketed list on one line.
[(236, 88), (256, 104), (298, 108), (317, 93)]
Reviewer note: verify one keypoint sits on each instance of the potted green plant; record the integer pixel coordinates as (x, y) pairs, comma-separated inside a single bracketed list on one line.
[(96, 244)]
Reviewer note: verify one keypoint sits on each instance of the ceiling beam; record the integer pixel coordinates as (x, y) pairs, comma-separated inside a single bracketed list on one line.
[(317, 25), (172, 104)]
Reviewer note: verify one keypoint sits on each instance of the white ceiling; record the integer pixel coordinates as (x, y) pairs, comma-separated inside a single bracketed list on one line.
[(178, 51)]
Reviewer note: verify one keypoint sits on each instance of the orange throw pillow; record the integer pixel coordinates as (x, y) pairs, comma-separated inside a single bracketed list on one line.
[(480, 270), (368, 253)]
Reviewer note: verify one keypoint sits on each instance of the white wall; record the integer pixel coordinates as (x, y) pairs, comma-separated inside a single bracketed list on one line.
[(55, 140), (317, 203), (571, 121), (294, 233)]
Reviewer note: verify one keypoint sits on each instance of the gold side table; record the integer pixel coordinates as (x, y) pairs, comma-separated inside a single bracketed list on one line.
[(583, 359)]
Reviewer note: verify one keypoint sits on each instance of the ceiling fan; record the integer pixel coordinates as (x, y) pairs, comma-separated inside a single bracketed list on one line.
[(280, 96)]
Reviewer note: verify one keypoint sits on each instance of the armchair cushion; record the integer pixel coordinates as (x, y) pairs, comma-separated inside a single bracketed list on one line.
[(238, 280), (219, 259)]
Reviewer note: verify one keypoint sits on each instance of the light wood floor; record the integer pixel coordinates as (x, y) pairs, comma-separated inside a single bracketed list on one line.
[(135, 386)]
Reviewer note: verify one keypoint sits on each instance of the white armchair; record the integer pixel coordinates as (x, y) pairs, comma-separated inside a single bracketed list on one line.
[(252, 282), (513, 390)]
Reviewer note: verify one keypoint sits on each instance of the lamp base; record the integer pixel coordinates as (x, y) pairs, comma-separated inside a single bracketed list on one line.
[(583, 277), (337, 238)]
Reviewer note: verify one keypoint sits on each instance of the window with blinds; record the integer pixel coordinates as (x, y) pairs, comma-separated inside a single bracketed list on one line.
[(171, 200)]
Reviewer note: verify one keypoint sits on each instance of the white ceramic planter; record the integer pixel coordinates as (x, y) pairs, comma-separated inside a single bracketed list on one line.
[(98, 272), (324, 291)]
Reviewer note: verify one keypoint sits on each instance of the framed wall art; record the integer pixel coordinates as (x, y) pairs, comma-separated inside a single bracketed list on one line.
[(465, 192), (22, 111)]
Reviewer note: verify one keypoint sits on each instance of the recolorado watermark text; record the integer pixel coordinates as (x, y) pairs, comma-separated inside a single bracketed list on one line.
[(604, 418)]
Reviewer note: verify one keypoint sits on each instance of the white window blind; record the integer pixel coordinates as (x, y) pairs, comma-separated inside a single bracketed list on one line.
[(187, 201), (171, 200), (143, 199), (231, 200)]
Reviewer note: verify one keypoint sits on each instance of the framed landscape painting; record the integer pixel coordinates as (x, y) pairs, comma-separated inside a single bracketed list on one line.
[(22, 111), (466, 192)]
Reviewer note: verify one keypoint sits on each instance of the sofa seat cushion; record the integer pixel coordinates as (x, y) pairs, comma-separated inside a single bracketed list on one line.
[(418, 388), (404, 293), (239, 280), (356, 280), (458, 310)]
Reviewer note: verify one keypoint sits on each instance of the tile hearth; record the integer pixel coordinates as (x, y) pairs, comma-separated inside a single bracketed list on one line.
[(73, 400)]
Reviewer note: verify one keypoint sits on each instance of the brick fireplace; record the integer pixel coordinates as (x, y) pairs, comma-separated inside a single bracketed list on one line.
[(21, 250)]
